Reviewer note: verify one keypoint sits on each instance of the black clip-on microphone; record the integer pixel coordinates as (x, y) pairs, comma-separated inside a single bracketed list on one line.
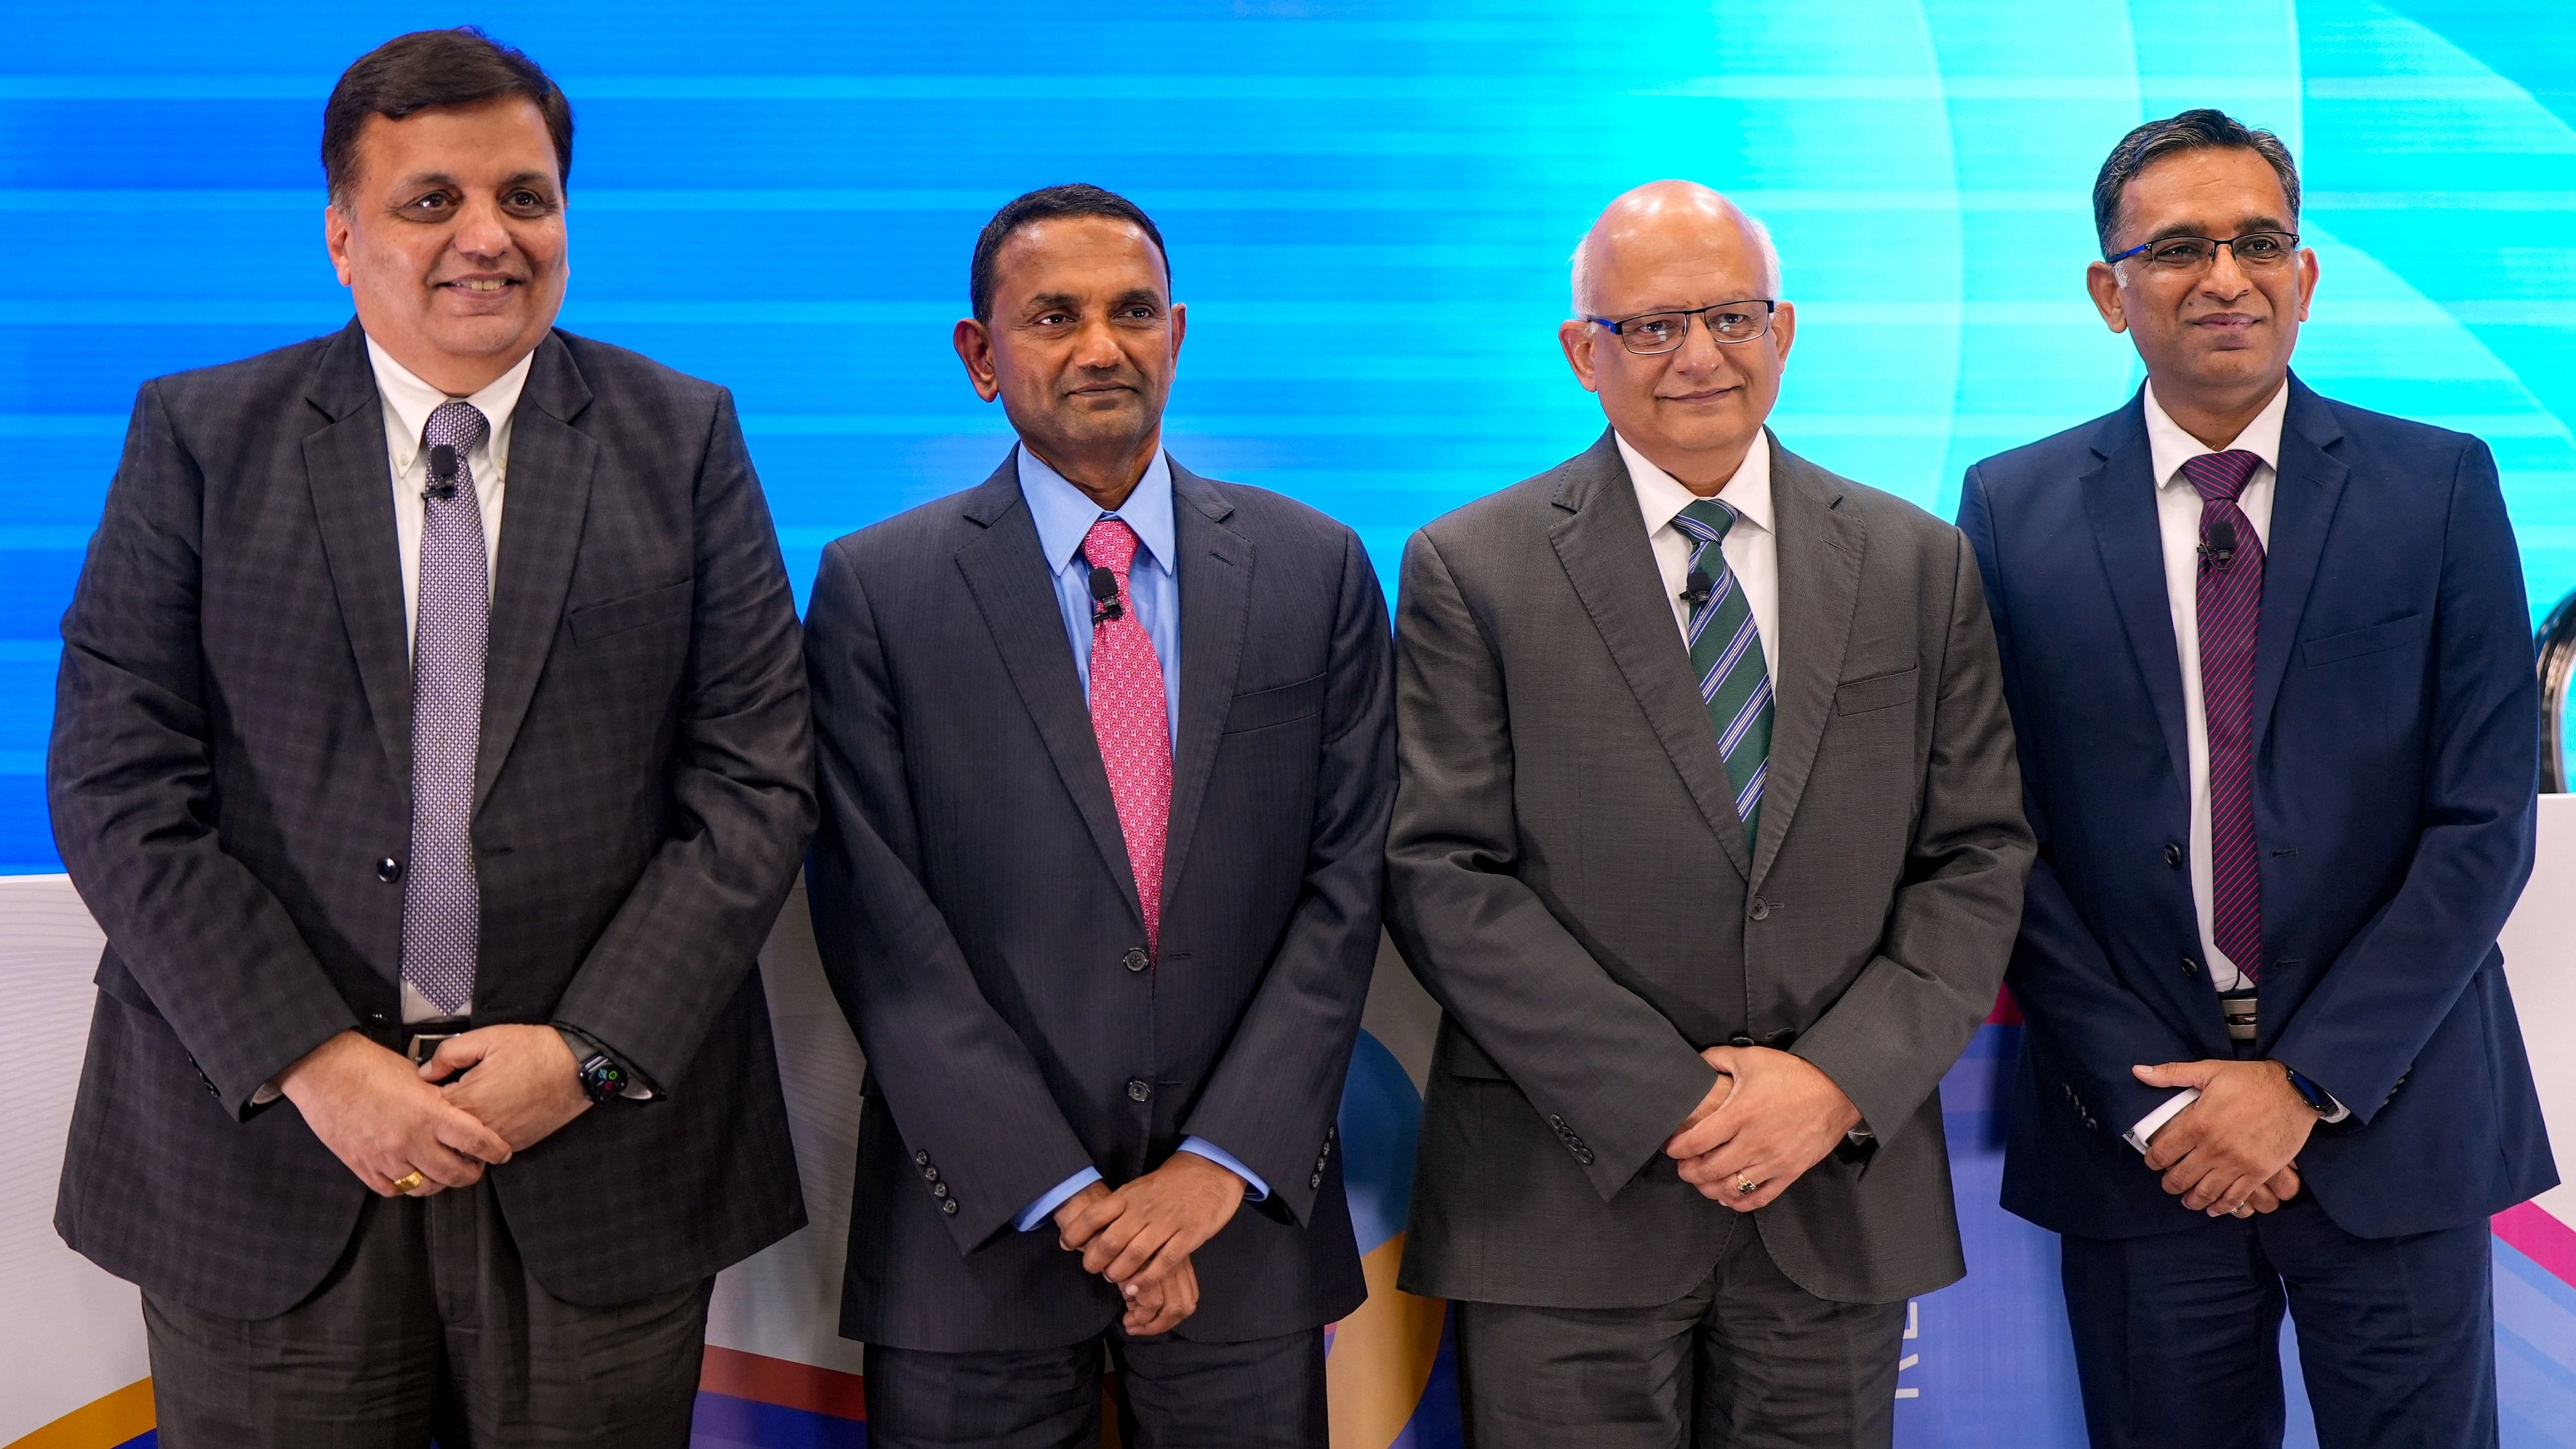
[(1697, 588), (1104, 595), (2220, 545), (442, 471)]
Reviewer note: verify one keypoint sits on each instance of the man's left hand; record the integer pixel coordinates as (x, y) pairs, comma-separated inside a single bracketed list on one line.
[(1784, 1116), (520, 1080), (2247, 1126), (1149, 1228)]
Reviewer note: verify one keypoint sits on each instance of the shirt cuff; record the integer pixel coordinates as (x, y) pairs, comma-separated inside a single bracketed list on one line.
[(2147, 1126), (1038, 1212), (1254, 1189)]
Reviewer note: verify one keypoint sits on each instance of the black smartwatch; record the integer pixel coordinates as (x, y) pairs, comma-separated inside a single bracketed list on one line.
[(2314, 1095), (602, 1079)]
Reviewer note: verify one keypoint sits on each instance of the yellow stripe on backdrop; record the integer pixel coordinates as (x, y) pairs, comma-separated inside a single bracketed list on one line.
[(98, 1424)]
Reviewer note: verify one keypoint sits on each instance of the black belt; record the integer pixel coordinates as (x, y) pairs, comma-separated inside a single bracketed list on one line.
[(417, 1040)]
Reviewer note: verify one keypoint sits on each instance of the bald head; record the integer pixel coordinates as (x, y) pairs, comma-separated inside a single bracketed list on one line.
[(1662, 225)]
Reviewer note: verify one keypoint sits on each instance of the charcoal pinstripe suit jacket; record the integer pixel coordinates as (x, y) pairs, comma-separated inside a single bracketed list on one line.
[(230, 763)]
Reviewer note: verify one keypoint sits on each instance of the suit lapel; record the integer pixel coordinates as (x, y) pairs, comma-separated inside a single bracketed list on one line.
[(1006, 571), (346, 466), (1601, 542), (1214, 568), (2120, 497), (1820, 548), (548, 495), (2309, 485)]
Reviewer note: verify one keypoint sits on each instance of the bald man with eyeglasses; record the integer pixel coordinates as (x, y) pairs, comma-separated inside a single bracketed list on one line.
[(1708, 841)]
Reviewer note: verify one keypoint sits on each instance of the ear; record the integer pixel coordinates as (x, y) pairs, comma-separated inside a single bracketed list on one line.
[(975, 349), (1784, 331), (1578, 337), (2103, 281), (1180, 327), (335, 238), (2307, 280)]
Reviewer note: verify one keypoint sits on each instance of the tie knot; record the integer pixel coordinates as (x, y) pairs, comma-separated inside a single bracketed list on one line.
[(1110, 545), (2221, 476), (459, 425), (1705, 519)]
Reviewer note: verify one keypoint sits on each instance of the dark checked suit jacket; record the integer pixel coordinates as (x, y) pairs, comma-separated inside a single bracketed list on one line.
[(978, 917), (1569, 878), (2396, 756), (230, 762)]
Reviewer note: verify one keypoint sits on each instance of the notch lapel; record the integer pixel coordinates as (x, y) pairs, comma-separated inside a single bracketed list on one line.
[(1601, 543), (2120, 498), (1820, 549), (1215, 574), (1006, 571), (2306, 488), (548, 495), (351, 477)]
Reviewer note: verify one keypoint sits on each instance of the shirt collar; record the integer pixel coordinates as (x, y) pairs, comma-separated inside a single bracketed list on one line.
[(1660, 495), (409, 402), (1064, 514), (2171, 447)]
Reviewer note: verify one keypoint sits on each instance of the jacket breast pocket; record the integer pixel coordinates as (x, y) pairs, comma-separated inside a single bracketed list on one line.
[(2352, 644), (1879, 691), (630, 611), (1285, 704)]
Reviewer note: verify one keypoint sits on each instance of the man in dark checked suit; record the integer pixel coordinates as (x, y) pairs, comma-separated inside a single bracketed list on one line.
[(432, 746), (2271, 665), (1106, 753)]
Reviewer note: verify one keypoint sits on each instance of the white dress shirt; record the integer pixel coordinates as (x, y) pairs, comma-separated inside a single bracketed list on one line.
[(2178, 508), (1751, 547)]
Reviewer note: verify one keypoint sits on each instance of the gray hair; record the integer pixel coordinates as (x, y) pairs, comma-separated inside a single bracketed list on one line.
[(1581, 263), (2200, 130)]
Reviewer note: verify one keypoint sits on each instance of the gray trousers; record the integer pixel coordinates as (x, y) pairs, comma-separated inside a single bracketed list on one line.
[(1745, 1360), (430, 1325)]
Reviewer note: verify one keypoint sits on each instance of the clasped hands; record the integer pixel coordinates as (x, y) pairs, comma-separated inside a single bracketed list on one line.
[(1140, 1237), (1768, 1117), (486, 1094), (2230, 1153)]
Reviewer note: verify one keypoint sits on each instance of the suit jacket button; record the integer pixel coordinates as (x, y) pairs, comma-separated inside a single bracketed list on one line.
[(2190, 967), (939, 1189), (1139, 1090), (389, 870), (1739, 1041), (1316, 1181), (1556, 1122), (948, 1206), (930, 1174), (921, 1159), (2173, 856), (1583, 1155), (1135, 959), (1760, 910)]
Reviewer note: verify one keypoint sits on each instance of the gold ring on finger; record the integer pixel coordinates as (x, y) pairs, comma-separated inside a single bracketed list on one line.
[(408, 1181), (1744, 1185)]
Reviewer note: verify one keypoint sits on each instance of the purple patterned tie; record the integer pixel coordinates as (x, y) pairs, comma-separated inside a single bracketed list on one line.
[(442, 903), (2230, 602)]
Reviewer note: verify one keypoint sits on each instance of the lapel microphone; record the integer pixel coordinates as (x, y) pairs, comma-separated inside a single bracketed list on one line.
[(442, 471), (2220, 545), (1697, 588), (1104, 596)]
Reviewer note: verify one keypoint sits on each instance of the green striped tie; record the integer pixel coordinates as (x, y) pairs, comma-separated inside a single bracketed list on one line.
[(1726, 651)]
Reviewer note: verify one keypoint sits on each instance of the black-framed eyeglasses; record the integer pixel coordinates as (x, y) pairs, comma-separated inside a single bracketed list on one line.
[(1648, 333), (2255, 251)]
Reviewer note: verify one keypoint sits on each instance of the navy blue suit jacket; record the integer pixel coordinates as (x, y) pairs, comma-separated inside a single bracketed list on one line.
[(2396, 754)]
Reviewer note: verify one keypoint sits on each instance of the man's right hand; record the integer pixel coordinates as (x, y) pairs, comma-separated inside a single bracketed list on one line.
[(373, 1111)]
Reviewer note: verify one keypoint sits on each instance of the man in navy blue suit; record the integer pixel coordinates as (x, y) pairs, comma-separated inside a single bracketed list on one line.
[(2270, 668)]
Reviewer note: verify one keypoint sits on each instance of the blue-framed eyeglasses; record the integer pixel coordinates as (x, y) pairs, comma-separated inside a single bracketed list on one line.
[(2255, 251)]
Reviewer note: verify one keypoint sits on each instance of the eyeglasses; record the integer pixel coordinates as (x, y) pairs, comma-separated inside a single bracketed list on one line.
[(2256, 251), (1648, 333)]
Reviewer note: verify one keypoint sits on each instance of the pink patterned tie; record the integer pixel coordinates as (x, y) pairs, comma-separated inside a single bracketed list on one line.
[(2230, 603), (1131, 719)]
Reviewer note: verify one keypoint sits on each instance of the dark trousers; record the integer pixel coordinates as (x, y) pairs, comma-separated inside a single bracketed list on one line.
[(1172, 1394), (430, 1325), (1746, 1360), (2177, 1336)]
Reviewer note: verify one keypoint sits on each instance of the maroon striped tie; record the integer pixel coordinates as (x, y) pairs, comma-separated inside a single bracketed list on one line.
[(2230, 602)]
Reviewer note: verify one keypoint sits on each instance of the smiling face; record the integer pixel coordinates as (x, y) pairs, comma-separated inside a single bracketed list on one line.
[(1697, 410), (2220, 338), (1080, 346), (450, 239)]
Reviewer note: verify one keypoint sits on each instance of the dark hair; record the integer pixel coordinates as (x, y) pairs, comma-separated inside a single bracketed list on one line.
[(2200, 130), (427, 70), (1075, 198)]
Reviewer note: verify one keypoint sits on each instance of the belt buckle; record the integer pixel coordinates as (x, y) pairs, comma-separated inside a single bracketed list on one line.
[(422, 1045), (2237, 1009)]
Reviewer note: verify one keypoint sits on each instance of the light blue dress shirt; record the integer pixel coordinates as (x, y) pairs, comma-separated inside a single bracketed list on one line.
[(1064, 515)]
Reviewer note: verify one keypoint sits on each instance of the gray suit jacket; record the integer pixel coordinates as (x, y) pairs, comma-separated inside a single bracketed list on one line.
[(230, 781), (1568, 876)]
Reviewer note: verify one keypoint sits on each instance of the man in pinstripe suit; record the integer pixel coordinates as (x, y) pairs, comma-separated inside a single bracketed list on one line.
[(433, 828)]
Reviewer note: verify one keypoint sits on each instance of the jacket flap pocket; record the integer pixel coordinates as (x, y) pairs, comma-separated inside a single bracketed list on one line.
[(1265, 707), (2390, 635), (631, 611), (1879, 691)]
